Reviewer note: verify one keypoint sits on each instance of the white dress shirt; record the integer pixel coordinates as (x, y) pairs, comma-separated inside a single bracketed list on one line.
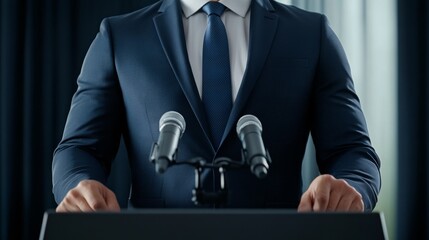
[(237, 21)]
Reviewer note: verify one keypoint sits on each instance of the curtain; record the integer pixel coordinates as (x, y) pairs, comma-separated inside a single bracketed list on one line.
[(367, 30), (42, 46), (413, 119)]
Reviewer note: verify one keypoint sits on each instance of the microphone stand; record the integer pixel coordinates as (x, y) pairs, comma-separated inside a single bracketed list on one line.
[(199, 195)]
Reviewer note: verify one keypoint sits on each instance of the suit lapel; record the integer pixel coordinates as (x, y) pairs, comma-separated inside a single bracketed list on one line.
[(169, 27), (263, 26)]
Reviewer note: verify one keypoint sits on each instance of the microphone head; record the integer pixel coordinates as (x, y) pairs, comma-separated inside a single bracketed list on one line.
[(247, 120), (172, 117)]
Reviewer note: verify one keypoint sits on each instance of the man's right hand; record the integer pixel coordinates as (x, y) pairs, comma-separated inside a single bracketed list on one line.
[(89, 196)]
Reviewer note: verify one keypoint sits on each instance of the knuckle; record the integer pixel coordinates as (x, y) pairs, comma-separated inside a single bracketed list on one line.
[(353, 192), (326, 178), (322, 199), (343, 183), (97, 205), (74, 193), (66, 202), (84, 184), (109, 192)]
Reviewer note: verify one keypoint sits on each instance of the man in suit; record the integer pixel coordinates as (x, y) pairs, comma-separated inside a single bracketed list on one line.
[(287, 68)]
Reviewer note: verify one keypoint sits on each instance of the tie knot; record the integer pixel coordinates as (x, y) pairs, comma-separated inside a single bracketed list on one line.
[(213, 7)]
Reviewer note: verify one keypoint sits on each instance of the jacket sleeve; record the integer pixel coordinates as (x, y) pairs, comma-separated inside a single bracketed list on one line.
[(92, 132), (339, 130)]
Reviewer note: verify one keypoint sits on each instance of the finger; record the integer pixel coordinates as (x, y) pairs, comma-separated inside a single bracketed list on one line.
[(345, 203), (67, 206), (112, 202), (99, 197), (95, 200), (349, 197), (334, 200), (357, 205), (92, 193), (76, 201), (61, 208), (83, 205), (321, 197), (339, 187), (306, 204)]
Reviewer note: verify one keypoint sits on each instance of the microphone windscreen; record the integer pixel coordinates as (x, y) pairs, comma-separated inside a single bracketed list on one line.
[(172, 117), (247, 120)]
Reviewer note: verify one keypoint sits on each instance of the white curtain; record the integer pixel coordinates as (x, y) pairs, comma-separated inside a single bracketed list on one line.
[(367, 30)]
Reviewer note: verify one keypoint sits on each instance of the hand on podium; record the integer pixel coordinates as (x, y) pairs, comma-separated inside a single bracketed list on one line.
[(89, 196), (326, 193)]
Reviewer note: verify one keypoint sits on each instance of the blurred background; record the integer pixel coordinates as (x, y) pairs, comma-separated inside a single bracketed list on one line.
[(43, 43)]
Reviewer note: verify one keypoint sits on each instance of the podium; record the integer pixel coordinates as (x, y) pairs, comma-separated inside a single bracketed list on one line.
[(213, 224)]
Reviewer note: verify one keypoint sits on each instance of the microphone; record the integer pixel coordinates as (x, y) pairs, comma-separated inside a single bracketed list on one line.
[(249, 130), (172, 125)]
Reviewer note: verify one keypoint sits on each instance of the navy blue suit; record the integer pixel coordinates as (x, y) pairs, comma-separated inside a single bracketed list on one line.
[(297, 81)]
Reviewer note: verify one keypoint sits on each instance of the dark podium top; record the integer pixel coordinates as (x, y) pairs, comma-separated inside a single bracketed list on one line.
[(207, 224)]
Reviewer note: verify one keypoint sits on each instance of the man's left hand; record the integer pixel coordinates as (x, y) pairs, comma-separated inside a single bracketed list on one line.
[(326, 193)]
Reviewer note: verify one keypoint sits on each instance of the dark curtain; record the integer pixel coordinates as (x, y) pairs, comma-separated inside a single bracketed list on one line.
[(413, 119), (42, 46)]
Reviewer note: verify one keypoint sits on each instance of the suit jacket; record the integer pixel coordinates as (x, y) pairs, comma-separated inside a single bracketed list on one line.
[(297, 81)]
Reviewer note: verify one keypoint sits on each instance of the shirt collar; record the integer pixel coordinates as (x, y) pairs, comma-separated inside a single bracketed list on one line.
[(240, 7)]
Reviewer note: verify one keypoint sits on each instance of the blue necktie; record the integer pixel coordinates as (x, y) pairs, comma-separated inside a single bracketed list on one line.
[(217, 94)]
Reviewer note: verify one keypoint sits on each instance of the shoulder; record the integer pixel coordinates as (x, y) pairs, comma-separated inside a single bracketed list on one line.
[(297, 15), (136, 17), (287, 9)]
